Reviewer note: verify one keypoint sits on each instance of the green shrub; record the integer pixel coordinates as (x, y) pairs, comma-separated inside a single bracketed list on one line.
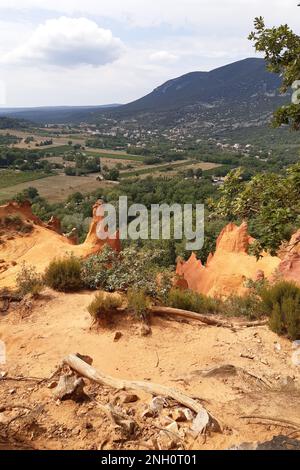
[(97, 269), (28, 281), (113, 271), (249, 306), (64, 275), (138, 303), (281, 302), (104, 305), (192, 301)]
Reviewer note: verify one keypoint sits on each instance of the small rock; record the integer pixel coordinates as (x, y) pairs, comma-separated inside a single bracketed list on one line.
[(3, 374), (165, 441), (148, 413), (145, 330), (277, 347), (200, 422), (188, 414), (129, 398), (12, 391), (69, 387), (118, 335), (296, 358), (178, 415), (52, 384), (247, 356), (157, 404), (173, 428), (87, 359), (296, 344)]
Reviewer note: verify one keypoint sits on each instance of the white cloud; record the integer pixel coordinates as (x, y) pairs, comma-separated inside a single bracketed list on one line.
[(163, 57), (67, 42), (201, 13)]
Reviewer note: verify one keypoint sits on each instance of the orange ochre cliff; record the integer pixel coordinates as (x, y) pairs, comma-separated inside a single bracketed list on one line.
[(227, 270), (225, 273), (42, 243)]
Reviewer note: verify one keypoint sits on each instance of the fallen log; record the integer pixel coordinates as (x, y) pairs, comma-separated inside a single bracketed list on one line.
[(85, 370), (208, 320)]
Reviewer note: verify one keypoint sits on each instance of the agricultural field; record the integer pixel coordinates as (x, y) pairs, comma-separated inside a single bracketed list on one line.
[(114, 155), (170, 169), (56, 188), (10, 178)]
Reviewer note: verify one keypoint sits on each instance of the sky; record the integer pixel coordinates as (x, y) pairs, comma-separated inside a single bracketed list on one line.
[(93, 52)]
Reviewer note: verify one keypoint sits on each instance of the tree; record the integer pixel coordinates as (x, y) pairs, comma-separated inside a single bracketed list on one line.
[(269, 202), (282, 54)]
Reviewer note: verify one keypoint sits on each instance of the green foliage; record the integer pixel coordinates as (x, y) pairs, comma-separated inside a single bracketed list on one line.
[(64, 275), (282, 54), (118, 272), (138, 303), (281, 302), (192, 301), (269, 201), (104, 305), (248, 306), (28, 281)]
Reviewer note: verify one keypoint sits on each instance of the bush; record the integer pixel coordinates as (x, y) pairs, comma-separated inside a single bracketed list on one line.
[(138, 303), (281, 302), (113, 271), (64, 275), (29, 281), (104, 306), (189, 300), (249, 306), (97, 269)]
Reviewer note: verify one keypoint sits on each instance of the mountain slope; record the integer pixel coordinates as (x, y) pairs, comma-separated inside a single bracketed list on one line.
[(238, 95), (240, 80)]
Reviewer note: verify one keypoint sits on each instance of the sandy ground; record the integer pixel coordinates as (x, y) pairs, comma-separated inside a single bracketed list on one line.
[(39, 334)]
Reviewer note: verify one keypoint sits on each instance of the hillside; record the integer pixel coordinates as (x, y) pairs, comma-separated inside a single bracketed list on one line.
[(239, 95)]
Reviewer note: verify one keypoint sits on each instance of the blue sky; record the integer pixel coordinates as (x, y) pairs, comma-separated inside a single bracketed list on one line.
[(89, 52)]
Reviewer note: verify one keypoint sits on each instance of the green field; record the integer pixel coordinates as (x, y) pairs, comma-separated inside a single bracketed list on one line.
[(153, 169), (114, 156), (11, 178), (53, 150)]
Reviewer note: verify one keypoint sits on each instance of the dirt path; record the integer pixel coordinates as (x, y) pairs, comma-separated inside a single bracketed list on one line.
[(267, 385)]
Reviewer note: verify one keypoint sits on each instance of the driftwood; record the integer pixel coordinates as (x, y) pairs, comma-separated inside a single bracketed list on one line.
[(208, 320), (85, 370)]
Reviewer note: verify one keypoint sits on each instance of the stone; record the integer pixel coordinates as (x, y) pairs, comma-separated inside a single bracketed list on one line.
[(69, 387), (157, 404), (118, 335), (52, 384), (129, 398), (178, 415), (165, 441), (148, 413), (145, 330), (296, 358), (200, 422)]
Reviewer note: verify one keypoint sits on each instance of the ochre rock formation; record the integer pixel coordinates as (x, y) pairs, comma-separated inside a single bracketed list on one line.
[(42, 244), (289, 267), (229, 267)]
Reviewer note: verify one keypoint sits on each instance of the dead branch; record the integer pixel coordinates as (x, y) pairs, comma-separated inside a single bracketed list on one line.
[(85, 370), (22, 379), (206, 319), (274, 420)]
